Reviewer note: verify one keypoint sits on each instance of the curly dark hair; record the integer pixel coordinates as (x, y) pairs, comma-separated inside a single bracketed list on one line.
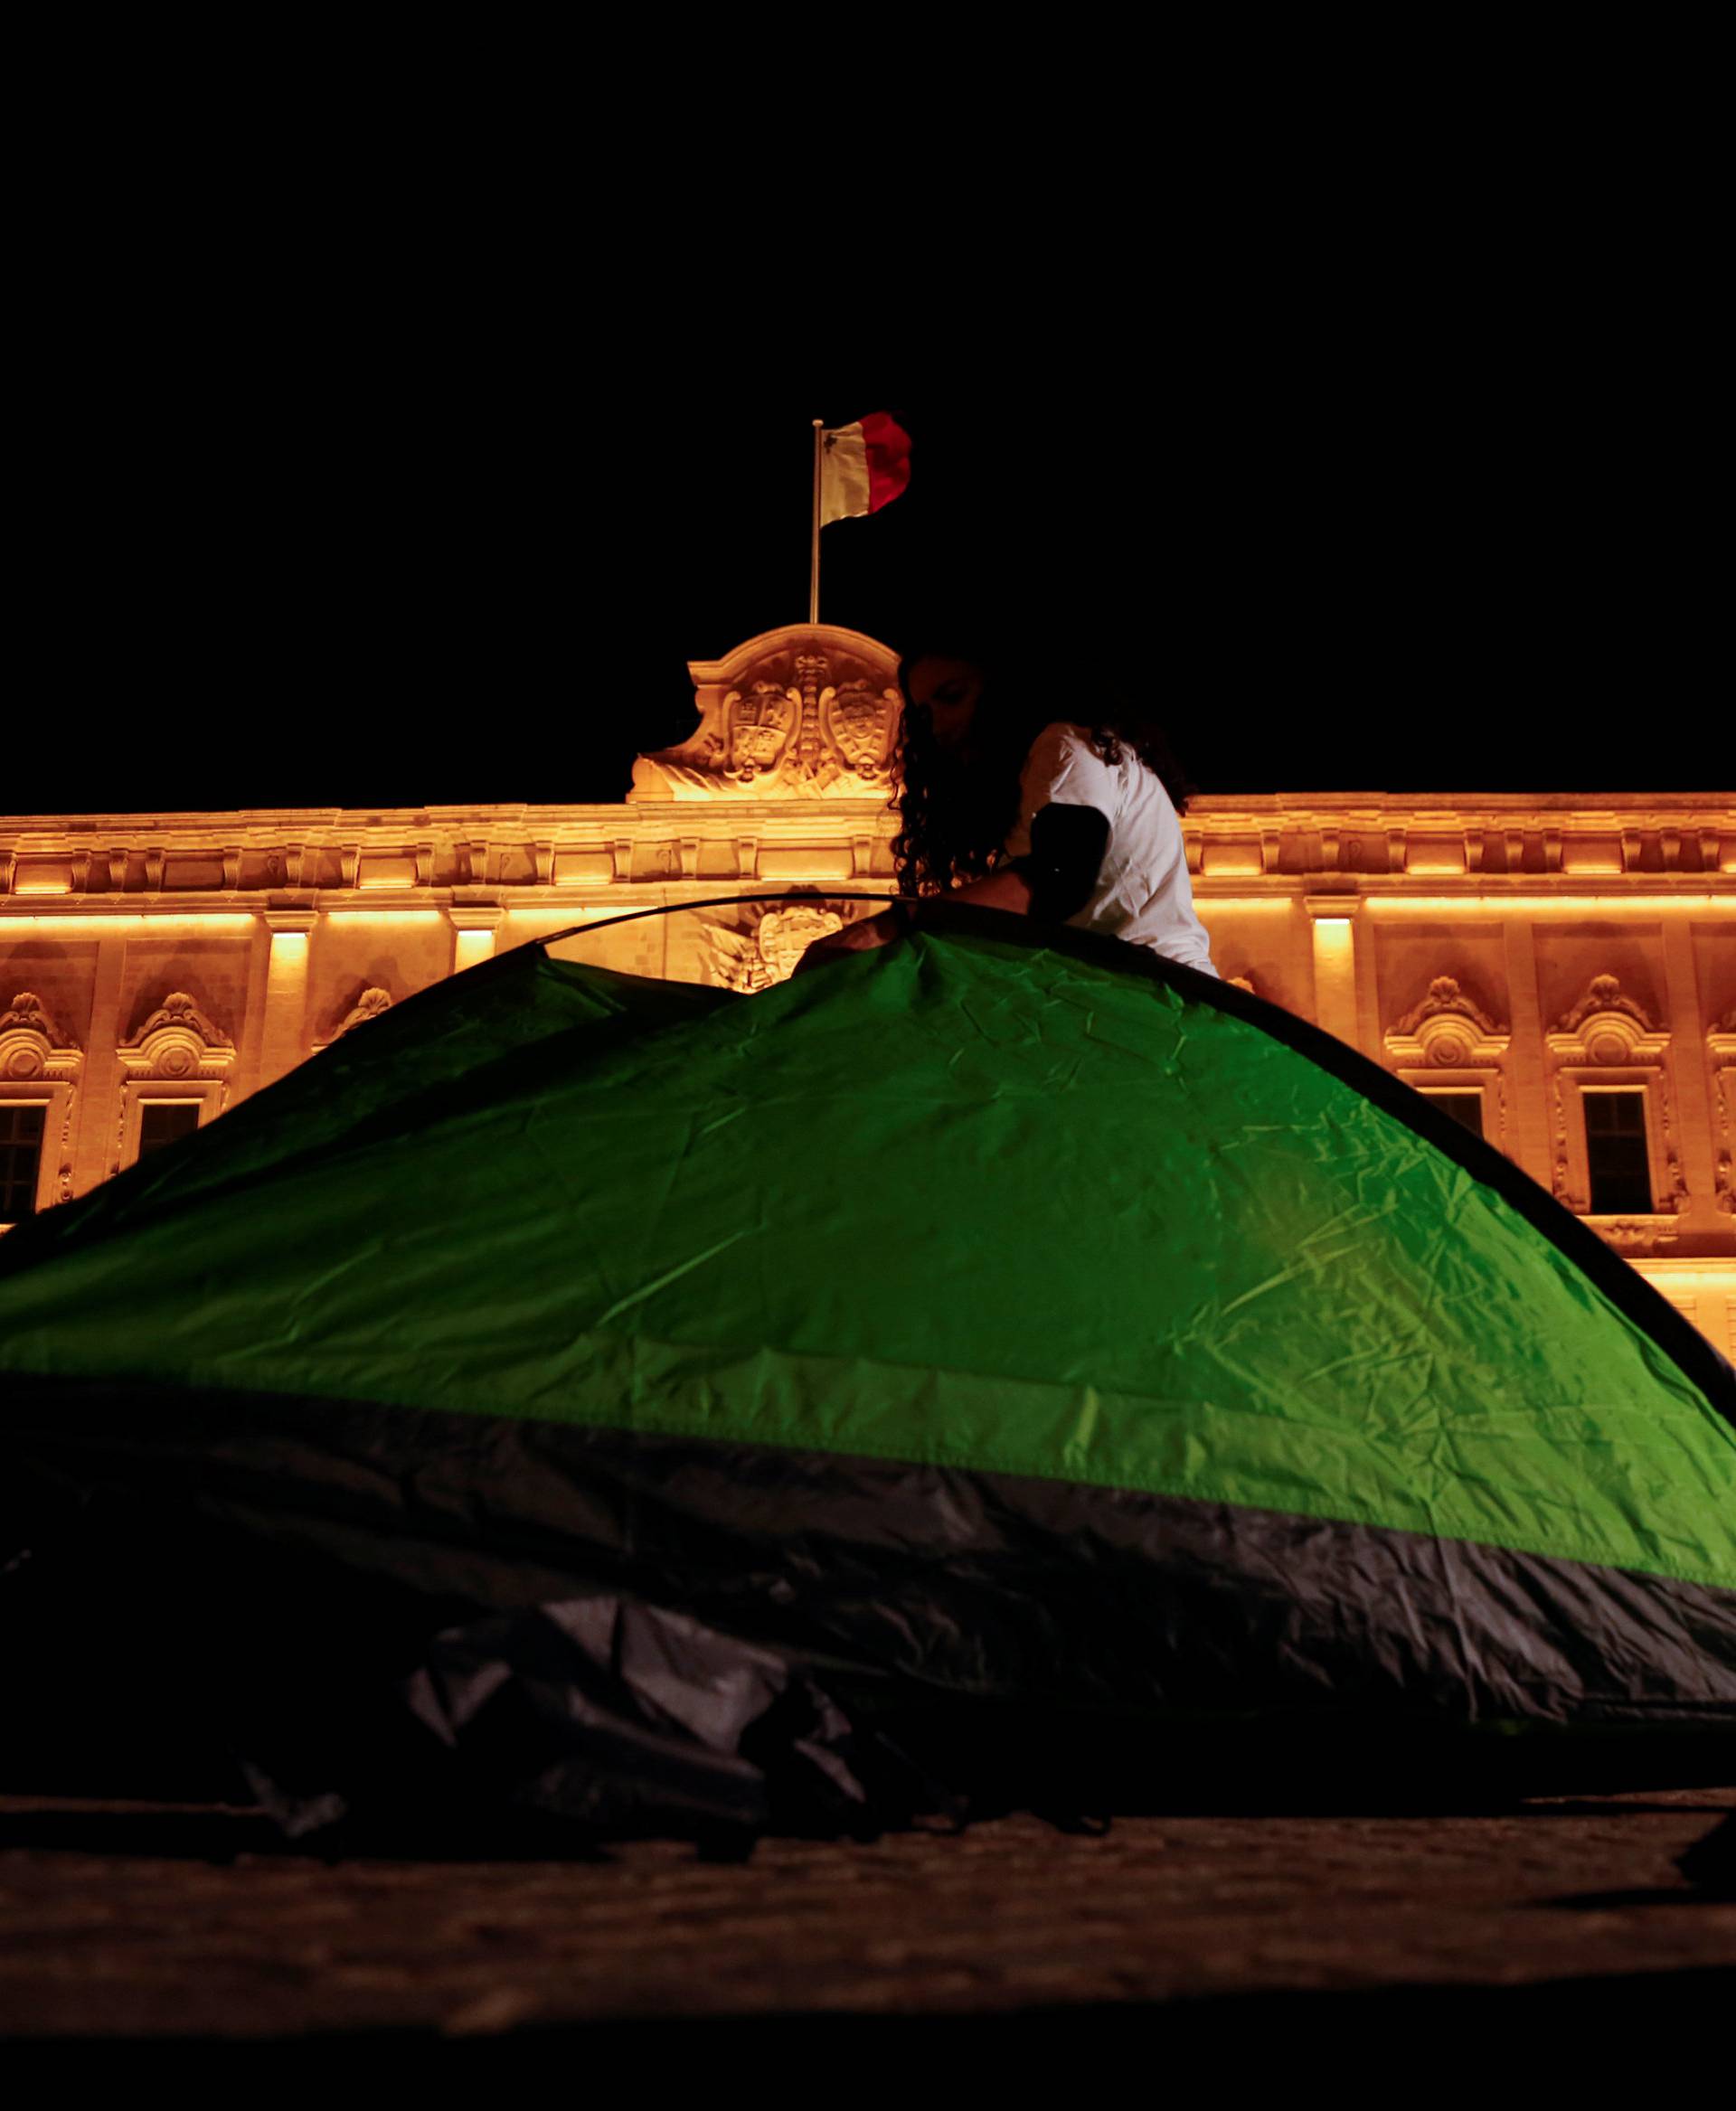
[(956, 816)]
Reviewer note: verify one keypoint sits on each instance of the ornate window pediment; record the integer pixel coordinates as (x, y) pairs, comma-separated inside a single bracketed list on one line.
[(1605, 1027), (1607, 1041), (1447, 1042), (31, 1044), (1448, 1030), (368, 1005), (177, 1040), (179, 1053)]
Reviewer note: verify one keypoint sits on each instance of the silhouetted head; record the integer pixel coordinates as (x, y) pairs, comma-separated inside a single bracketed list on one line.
[(973, 703)]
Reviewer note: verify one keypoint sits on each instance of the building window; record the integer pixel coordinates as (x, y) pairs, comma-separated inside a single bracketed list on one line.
[(165, 1121), (21, 1159), (1615, 1153), (1466, 1108)]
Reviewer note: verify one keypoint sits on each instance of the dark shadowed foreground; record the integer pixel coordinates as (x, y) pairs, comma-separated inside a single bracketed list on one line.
[(138, 1928)]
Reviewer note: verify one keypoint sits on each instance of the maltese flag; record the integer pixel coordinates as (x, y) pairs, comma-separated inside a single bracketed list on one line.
[(863, 466)]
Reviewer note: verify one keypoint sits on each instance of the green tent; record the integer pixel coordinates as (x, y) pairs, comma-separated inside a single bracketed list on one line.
[(665, 1407)]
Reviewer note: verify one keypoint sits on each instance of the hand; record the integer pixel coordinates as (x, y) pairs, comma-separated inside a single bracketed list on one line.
[(857, 937)]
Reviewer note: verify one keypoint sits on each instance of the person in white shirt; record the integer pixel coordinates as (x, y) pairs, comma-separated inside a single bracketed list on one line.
[(1067, 820)]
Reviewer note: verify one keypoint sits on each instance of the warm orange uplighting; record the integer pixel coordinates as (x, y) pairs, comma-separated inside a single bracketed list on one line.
[(1567, 902), (42, 876), (1334, 976), (1237, 858), (816, 864), (1435, 853), (1592, 853), (102, 919), (380, 870)]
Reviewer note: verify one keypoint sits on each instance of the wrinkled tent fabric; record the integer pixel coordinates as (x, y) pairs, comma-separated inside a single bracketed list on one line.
[(965, 1374)]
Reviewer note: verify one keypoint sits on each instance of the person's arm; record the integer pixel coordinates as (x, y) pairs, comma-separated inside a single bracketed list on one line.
[(1068, 843), (1009, 888), (1052, 883)]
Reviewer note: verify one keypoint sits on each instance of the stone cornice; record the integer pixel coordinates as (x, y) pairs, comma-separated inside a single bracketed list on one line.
[(1361, 845), (1674, 809)]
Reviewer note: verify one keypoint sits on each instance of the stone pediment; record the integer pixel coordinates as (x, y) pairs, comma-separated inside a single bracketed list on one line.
[(26, 1013), (1603, 997), (810, 711), (1607, 1027), (177, 1040), (31, 1044), (1448, 1027)]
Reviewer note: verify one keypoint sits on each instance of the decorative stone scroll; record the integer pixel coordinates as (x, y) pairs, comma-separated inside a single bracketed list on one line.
[(808, 711), (368, 1005), (765, 945)]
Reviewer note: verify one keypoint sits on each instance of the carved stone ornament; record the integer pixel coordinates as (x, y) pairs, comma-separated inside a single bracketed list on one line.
[(31, 1045), (1721, 1049), (1607, 1028), (368, 1005), (177, 1040), (808, 711), (764, 946), (1603, 996), (1445, 997), (1448, 1030)]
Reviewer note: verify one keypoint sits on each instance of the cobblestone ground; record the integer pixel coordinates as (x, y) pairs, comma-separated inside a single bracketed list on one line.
[(145, 1925)]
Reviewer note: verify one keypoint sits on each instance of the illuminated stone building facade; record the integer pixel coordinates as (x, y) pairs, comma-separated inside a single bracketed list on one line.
[(1563, 970)]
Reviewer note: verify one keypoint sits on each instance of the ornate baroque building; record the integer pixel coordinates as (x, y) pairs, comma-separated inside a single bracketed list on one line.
[(1563, 970)]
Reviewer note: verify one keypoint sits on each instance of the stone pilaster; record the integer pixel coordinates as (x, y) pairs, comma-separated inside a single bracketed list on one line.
[(1335, 963), (99, 1086), (474, 927), (1530, 1140), (1695, 1142), (285, 992)]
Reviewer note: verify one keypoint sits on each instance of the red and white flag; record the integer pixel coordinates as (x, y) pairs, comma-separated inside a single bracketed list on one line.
[(863, 466)]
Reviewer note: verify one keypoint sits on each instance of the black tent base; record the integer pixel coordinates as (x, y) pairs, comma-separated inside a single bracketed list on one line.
[(343, 1761), (364, 1712)]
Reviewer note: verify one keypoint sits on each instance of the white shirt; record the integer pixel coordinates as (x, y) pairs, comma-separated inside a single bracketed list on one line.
[(1142, 892)]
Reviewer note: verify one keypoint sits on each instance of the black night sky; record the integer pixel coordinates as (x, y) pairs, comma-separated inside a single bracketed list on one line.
[(1418, 508)]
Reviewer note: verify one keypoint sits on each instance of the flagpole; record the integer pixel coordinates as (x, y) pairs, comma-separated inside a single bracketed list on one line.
[(813, 555)]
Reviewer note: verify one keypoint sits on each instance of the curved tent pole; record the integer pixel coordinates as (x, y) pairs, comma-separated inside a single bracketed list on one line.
[(633, 915)]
